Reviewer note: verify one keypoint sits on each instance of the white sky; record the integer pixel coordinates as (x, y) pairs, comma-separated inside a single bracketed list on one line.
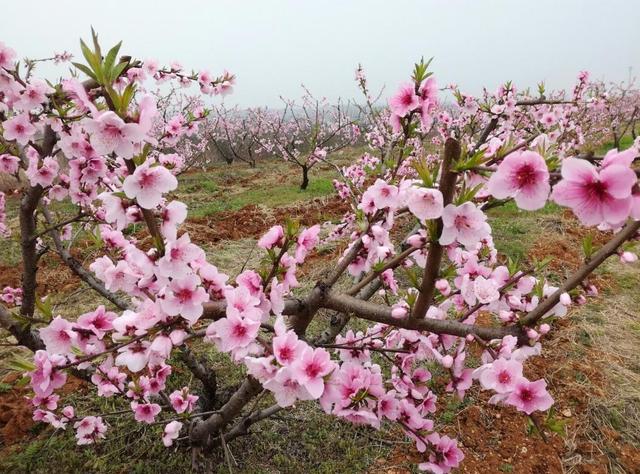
[(275, 45)]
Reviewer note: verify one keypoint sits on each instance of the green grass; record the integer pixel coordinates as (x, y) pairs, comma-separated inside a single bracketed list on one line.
[(269, 196), (625, 142), (515, 230)]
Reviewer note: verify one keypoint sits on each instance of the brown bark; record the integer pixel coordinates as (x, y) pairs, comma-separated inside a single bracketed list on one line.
[(434, 258)]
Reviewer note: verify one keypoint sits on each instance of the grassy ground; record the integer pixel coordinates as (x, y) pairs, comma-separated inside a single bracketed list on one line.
[(606, 333)]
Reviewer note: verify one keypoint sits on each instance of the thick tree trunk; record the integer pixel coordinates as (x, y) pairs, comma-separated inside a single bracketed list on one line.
[(305, 178)]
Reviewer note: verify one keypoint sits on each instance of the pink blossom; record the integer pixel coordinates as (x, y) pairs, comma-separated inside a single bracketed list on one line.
[(361, 416), (145, 412), (34, 95), (150, 66), (134, 356), (404, 101), (623, 158), (311, 367), (182, 401), (443, 286), (115, 210), (286, 388), (172, 215), (50, 402), (273, 238), (485, 290), (250, 280), (58, 336), (7, 56), (388, 406), (213, 280), (171, 432), (120, 277), (44, 377), (178, 255), (109, 133), (90, 429), (43, 175), (233, 332), (147, 184), (502, 375), (19, 128), (465, 224), (307, 240), (276, 297), (240, 302), (185, 297), (287, 348), (425, 203), (382, 195), (523, 176), (99, 321), (161, 346), (530, 396), (108, 380), (446, 455), (9, 163), (77, 92), (262, 368), (595, 196)]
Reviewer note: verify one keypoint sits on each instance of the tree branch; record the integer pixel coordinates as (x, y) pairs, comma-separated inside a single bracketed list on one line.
[(434, 257), (382, 314), (628, 232)]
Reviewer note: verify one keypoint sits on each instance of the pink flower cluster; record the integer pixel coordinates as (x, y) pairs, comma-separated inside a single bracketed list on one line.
[(421, 100), (119, 173), (606, 195), (504, 376)]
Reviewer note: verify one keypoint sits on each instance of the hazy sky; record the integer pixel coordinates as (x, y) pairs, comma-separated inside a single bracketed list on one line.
[(274, 46)]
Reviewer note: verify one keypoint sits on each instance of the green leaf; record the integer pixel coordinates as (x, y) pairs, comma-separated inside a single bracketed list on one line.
[(541, 264), (587, 246), (292, 226), (110, 60), (20, 364), (96, 45), (94, 60), (556, 425), (22, 381), (114, 96), (87, 53), (422, 168), (86, 70), (45, 307), (412, 276), (117, 71), (127, 95)]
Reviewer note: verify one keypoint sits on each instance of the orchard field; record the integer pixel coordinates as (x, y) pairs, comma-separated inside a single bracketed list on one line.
[(418, 284)]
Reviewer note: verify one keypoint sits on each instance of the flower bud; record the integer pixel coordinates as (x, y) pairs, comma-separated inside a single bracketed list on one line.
[(443, 286), (447, 362), (628, 257)]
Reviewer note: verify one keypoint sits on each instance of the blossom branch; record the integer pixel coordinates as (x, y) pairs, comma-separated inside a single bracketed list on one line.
[(628, 232), (434, 257)]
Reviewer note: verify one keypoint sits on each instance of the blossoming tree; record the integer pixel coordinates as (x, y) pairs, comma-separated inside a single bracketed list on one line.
[(95, 143), (237, 134), (613, 111), (308, 132)]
